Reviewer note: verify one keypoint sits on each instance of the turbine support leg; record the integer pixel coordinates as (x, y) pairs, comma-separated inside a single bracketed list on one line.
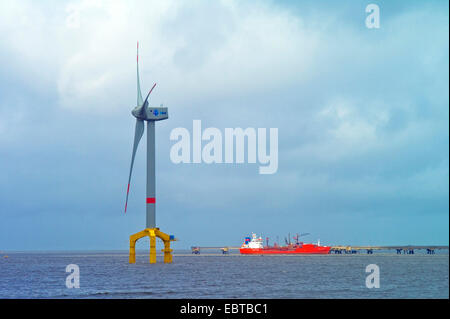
[(167, 252), (133, 239), (152, 247), (132, 258)]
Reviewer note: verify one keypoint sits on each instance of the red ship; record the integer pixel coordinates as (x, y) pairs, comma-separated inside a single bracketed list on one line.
[(254, 246)]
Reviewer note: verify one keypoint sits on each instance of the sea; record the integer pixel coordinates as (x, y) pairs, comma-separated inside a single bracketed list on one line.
[(107, 274)]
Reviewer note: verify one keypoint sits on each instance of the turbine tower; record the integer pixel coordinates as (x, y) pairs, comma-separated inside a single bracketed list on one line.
[(144, 113)]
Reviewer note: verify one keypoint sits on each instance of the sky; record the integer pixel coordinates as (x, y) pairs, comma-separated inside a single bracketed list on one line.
[(362, 117)]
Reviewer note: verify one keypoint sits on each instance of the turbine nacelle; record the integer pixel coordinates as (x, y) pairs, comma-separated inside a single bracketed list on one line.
[(150, 113)]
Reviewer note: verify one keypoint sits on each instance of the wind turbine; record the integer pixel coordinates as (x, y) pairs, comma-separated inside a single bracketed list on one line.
[(144, 113)]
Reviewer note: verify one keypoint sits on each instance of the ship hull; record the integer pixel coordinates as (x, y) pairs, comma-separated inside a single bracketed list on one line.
[(306, 249)]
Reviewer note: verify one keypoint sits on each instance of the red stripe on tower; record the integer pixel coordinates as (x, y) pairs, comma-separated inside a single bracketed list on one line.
[(151, 200)]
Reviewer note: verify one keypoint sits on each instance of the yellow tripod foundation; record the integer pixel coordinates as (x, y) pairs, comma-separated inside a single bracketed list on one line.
[(152, 233)]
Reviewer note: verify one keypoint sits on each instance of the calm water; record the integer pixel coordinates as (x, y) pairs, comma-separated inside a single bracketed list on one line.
[(108, 275)]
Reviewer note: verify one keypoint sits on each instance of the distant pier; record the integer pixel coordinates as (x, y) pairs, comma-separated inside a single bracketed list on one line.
[(224, 249), (406, 250)]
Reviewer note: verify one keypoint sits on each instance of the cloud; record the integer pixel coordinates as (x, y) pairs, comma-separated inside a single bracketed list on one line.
[(224, 48)]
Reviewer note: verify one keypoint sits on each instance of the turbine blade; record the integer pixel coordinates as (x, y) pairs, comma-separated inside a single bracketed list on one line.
[(146, 103), (139, 131), (139, 95)]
